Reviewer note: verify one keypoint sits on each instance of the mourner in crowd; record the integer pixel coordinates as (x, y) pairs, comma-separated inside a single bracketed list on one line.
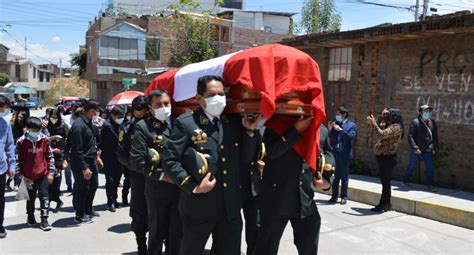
[(108, 146), (36, 165), (389, 131), (423, 141), (342, 134), (138, 207), (84, 159), (210, 204), (58, 131), (286, 192), (18, 126), (162, 195), (124, 159), (7, 156)]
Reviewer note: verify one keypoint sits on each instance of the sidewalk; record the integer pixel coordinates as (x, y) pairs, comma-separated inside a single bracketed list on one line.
[(444, 205)]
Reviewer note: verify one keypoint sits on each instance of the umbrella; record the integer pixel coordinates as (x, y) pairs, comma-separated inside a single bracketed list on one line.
[(271, 70), (124, 98), (19, 90)]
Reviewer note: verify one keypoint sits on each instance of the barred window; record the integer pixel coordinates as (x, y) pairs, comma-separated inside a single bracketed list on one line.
[(340, 61)]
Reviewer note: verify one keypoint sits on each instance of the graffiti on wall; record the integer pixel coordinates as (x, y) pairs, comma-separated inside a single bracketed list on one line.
[(445, 82)]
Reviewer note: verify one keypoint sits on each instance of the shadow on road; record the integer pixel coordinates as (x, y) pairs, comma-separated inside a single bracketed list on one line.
[(65, 223), (17, 227), (120, 229), (362, 212)]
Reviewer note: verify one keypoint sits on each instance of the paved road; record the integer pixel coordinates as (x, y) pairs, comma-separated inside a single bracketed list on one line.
[(349, 229)]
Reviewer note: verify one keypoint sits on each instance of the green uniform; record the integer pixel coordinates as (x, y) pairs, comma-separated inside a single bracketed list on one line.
[(226, 145), (161, 197)]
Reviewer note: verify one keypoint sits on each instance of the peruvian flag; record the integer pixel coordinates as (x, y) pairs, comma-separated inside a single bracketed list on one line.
[(272, 70)]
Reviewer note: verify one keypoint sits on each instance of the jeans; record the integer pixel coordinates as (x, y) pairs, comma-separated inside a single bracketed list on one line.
[(84, 190), (341, 174), (2, 197), (414, 158), (39, 187), (386, 165)]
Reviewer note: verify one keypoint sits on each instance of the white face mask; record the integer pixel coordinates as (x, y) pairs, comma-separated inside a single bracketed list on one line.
[(53, 120), (129, 118), (119, 121), (215, 105), (162, 113)]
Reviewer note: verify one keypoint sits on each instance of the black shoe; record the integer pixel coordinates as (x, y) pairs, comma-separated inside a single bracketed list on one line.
[(333, 200), (31, 221), (111, 208), (142, 250), (343, 201), (382, 208), (45, 225), (125, 201), (59, 205), (3, 232), (117, 204), (69, 189), (93, 214)]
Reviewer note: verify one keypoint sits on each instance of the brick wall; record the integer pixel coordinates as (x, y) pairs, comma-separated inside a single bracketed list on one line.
[(405, 74)]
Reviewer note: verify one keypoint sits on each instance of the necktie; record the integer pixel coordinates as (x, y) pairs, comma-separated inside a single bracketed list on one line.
[(215, 122)]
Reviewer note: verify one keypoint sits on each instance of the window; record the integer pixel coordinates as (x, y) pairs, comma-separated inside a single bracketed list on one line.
[(48, 77), (41, 76), (152, 49), (34, 72), (121, 48), (340, 61), (102, 85)]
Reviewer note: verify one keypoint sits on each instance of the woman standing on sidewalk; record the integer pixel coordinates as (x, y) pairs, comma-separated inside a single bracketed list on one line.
[(389, 130)]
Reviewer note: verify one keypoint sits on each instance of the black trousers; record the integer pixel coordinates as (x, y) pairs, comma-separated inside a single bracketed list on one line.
[(386, 165), (126, 183), (249, 207), (40, 189), (138, 209), (113, 173), (226, 236), (3, 178), (305, 234), (84, 190), (54, 188), (164, 222)]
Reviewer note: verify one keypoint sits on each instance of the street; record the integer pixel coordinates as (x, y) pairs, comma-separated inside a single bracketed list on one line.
[(349, 229)]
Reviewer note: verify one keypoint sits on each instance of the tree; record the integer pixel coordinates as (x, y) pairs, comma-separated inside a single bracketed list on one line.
[(319, 16), (194, 36), (4, 79), (80, 60)]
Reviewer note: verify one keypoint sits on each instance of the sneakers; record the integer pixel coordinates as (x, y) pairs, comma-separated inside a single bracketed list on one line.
[(83, 220), (406, 185), (431, 188), (343, 201), (31, 220), (3, 232), (93, 214), (44, 225), (333, 200)]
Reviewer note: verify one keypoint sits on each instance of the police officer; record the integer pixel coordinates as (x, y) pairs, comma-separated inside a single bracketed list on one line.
[(211, 205), (138, 208), (161, 193), (108, 146), (286, 192)]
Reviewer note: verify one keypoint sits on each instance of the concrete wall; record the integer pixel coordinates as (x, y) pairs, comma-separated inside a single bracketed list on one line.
[(405, 74)]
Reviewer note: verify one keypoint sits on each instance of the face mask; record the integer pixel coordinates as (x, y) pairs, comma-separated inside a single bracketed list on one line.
[(162, 114), (215, 105), (129, 118), (338, 118), (119, 121), (34, 135), (426, 115), (5, 112), (261, 123), (53, 120)]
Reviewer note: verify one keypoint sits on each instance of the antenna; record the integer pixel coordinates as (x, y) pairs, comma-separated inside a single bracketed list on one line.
[(26, 48)]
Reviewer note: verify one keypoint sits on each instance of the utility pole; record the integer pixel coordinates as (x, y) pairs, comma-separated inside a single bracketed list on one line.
[(26, 48), (417, 10), (425, 8), (60, 76)]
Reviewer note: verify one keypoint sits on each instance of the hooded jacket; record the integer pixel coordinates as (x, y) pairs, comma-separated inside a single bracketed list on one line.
[(35, 159)]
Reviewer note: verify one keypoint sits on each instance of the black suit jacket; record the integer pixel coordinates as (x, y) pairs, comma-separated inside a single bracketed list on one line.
[(226, 150)]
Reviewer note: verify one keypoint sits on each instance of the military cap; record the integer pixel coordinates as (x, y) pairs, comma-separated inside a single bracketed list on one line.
[(153, 157), (326, 166), (197, 164)]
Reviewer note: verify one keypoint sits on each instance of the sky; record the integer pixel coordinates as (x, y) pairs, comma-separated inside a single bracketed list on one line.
[(55, 28)]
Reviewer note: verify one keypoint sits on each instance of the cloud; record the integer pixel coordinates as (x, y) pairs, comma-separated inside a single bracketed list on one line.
[(56, 39), (38, 53)]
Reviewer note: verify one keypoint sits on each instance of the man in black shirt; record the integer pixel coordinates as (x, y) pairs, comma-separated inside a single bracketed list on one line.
[(83, 141)]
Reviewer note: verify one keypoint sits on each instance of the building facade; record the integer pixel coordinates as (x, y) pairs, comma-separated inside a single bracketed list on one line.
[(405, 66)]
